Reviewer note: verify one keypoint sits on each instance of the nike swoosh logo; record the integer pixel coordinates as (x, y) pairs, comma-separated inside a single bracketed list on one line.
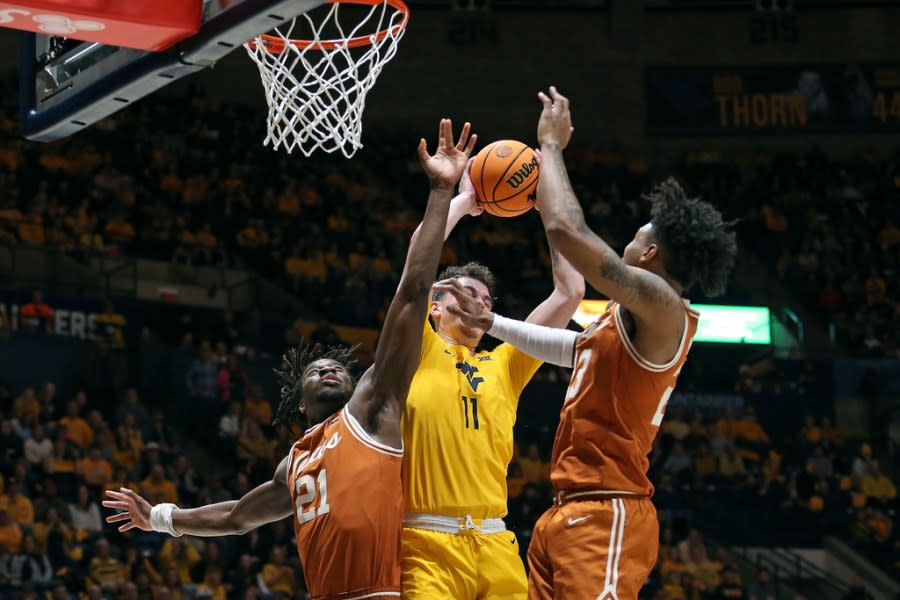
[(572, 521)]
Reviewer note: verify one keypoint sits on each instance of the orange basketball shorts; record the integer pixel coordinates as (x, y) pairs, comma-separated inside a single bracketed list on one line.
[(593, 549)]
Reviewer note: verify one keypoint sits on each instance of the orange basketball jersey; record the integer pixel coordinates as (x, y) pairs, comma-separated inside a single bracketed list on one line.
[(613, 409), (348, 511)]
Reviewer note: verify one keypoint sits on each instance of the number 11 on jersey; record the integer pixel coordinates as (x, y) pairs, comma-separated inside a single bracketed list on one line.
[(473, 401)]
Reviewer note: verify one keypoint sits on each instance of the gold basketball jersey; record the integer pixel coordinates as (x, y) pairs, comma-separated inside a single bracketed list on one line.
[(458, 428)]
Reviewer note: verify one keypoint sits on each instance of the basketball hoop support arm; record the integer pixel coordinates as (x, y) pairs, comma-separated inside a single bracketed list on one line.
[(134, 74)]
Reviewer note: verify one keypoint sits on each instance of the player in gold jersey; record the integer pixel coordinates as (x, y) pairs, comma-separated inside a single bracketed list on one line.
[(458, 440)]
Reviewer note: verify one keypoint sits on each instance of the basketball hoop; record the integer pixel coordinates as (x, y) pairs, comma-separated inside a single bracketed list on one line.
[(316, 72)]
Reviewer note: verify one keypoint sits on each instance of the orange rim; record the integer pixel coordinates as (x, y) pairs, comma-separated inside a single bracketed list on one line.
[(277, 45)]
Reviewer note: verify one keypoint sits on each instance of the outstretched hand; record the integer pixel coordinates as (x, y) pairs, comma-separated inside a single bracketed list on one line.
[(555, 125), (135, 510), (449, 161), (472, 313)]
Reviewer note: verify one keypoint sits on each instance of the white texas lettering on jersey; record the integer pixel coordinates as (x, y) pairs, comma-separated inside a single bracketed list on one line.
[(306, 457)]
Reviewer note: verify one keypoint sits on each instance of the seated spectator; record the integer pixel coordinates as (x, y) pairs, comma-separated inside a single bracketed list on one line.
[(36, 315), (84, 514), (10, 533), (156, 489), (705, 572), (212, 586), (750, 438), (54, 537), (62, 469), (811, 433), (180, 557), (38, 447), (278, 576), (172, 583), (676, 426), (673, 588), (863, 463), (127, 451), (185, 478), (533, 468), (731, 587), (252, 445), (230, 424), (11, 446), (26, 404), (705, 464), (257, 407), (731, 466), (95, 470), (878, 486), (33, 566), (106, 571), (819, 464), (77, 429), (162, 435), (17, 506), (515, 480), (672, 564), (678, 464)]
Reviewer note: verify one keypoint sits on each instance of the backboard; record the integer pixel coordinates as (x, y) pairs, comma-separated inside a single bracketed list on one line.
[(67, 84)]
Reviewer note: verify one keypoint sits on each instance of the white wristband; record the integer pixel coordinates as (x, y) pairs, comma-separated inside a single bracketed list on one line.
[(161, 519), (555, 346)]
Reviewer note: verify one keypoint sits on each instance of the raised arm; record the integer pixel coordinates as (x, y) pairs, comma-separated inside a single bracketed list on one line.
[(647, 296), (461, 205), (568, 291), (264, 504), (380, 396)]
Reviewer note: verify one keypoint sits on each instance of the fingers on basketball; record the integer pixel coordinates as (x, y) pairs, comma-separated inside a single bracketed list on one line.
[(505, 176)]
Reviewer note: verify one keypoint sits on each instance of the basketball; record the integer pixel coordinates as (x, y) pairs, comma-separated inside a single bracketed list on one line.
[(505, 176)]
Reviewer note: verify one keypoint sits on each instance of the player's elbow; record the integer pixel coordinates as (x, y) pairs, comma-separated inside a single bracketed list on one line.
[(563, 236), (571, 291), (559, 228), (233, 525)]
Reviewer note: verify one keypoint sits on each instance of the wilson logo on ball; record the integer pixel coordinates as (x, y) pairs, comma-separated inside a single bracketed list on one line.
[(519, 177)]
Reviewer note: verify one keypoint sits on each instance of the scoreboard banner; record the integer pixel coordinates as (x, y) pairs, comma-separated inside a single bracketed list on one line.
[(773, 99)]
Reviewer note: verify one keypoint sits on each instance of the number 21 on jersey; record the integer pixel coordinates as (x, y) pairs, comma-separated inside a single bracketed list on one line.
[(308, 489)]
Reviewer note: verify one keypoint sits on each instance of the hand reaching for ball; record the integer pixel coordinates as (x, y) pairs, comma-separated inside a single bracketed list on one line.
[(449, 161), (466, 195), (555, 125)]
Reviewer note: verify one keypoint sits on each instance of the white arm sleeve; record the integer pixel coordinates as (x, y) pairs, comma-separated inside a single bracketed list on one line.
[(555, 346)]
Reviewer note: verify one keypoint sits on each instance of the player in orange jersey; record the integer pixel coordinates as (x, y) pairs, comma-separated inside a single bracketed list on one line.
[(600, 538), (341, 479)]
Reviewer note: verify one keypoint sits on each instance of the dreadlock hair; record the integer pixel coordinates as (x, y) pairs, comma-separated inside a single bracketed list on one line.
[(290, 376), (698, 246), (475, 270)]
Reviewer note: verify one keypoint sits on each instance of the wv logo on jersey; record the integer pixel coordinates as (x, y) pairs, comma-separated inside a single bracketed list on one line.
[(470, 372)]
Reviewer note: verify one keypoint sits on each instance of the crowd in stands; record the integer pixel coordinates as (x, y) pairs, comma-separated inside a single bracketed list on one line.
[(194, 187), (56, 459)]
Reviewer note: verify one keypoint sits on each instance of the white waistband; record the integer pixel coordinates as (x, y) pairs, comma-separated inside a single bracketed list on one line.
[(454, 525)]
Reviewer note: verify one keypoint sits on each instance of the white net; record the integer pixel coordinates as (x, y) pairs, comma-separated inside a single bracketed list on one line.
[(316, 86)]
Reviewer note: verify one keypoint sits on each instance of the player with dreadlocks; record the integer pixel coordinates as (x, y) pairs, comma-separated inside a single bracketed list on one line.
[(600, 538), (341, 479)]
